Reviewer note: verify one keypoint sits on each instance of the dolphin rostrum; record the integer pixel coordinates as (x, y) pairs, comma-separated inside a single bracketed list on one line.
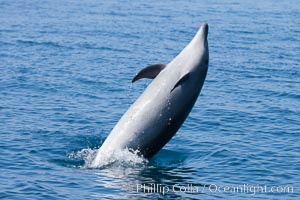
[(162, 108)]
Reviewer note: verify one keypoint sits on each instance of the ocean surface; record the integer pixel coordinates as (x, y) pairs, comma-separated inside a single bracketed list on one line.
[(65, 81)]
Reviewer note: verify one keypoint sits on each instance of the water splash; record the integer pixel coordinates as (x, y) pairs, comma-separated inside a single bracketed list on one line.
[(87, 155), (125, 158)]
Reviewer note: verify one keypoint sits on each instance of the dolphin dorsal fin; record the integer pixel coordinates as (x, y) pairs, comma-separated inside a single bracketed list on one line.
[(181, 80), (150, 71)]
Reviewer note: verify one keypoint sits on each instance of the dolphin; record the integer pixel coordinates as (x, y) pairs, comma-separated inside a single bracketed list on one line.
[(153, 119)]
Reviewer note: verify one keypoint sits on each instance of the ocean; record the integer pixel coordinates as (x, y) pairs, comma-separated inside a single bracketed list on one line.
[(65, 81)]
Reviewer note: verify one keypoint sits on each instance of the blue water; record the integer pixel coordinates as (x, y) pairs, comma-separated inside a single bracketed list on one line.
[(65, 72)]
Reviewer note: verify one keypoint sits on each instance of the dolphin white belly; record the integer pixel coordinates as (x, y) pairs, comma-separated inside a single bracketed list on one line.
[(162, 108)]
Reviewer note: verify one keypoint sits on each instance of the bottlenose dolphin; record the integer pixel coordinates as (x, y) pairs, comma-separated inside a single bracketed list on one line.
[(158, 113)]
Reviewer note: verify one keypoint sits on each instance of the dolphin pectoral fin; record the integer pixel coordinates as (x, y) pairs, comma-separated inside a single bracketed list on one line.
[(150, 71), (181, 81)]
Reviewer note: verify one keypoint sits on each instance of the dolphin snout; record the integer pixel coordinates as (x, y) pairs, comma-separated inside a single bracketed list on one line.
[(205, 29)]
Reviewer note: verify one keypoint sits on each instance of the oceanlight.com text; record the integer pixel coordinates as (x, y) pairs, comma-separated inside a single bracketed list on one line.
[(212, 188)]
